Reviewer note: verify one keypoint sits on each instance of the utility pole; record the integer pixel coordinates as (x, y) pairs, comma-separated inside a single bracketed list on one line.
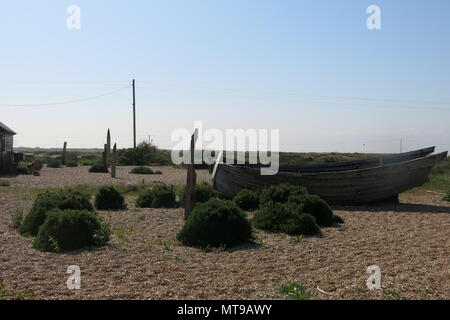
[(134, 113)]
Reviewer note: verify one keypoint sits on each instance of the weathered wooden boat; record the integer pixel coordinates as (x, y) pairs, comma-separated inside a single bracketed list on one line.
[(354, 164), (350, 187)]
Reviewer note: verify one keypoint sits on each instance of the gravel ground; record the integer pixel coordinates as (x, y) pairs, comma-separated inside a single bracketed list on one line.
[(409, 242), (61, 177)]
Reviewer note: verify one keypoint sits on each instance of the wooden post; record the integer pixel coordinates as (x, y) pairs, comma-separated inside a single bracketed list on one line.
[(113, 162), (105, 165), (108, 149), (64, 153), (191, 179)]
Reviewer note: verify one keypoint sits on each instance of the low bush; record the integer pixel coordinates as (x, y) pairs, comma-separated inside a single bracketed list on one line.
[(247, 200), (98, 167), (315, 206), (22, 168), (108, 198), (280, 193), (45, 202), (203, 192), (337, 219), (53, 163), (144, 170), (71, 164), (447, 196), (144, 154), (66, 230), (4, 183), (286, 218), (160, 196), (215, 223)]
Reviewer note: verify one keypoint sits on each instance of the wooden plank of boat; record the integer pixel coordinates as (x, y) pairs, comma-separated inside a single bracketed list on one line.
[(351, 187), (354, 164)]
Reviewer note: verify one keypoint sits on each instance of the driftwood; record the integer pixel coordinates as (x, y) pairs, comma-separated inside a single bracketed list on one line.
[(191, 178), (113, 161)]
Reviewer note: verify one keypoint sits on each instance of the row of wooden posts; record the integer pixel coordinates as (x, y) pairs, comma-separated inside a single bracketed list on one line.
[(109, 159)]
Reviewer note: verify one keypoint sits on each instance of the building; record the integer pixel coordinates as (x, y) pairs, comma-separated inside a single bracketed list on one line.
[(6, 147)]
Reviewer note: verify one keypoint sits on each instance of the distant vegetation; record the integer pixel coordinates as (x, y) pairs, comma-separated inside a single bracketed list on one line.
[(143, 155), (144, 170)]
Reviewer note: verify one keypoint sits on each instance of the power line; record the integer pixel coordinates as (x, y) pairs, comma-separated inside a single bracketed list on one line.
[(307, 95), (302, 101), (66, 102)]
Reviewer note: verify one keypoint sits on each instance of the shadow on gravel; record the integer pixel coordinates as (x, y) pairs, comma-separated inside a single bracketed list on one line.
[(401, 207)]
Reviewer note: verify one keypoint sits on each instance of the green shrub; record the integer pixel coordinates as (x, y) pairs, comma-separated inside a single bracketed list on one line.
[(286, 218), (53, 163), (280, 193), (294, 290), (215, 223), (337, 219), (98, 167), (65, 230), (203, 192), (144, 154), (315, 206), (247, 200), (108, 197), (160, 196), (447, 196), (47, 201), (144, 170), (4, 183), (22, 168), (71, 164)]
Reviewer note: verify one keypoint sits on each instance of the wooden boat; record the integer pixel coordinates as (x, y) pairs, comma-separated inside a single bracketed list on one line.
[(350, 187), (355, 164)]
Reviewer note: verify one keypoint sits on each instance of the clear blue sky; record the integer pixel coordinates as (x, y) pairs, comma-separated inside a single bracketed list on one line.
[(232, 64)]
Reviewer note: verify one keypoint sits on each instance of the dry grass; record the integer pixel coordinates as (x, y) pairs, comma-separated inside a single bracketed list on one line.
[(144, 261)]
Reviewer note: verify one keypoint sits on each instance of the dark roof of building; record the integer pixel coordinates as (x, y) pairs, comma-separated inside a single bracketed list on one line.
[(6, 129)]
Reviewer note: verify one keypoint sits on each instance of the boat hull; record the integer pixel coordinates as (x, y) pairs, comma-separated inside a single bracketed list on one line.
[(351, 187)]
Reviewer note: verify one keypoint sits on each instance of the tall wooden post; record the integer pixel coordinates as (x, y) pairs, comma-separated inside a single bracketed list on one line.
[(108, 148), (191, 178), (113, 162), (64, 153), (134, 113)]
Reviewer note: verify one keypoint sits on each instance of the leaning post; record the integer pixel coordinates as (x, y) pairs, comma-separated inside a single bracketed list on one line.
[(108, 148), (191, 178), (64, 153)]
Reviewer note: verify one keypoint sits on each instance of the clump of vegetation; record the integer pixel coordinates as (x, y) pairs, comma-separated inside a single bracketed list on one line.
[(22, 168), (4, 183), (294, 290), (447, 196), (45, 202), (144, 170), (71, 164), (203, 192), (108, 198), (280, 193), (17, 217), (247, 200), (337, 219), (143, 155), (98, 167), (160, 196), (315, 206), (53, 163), (285, 218), (215, 223), (66, 230)]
